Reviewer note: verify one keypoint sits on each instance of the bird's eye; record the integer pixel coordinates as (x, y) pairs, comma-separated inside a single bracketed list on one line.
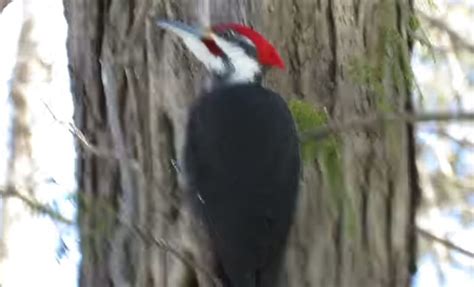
[(230, 34)]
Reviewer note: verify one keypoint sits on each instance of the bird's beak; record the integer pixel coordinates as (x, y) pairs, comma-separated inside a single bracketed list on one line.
[(200, 41), (185, 31)]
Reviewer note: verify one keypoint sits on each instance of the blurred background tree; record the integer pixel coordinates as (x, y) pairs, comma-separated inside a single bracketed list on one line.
[(443, 63)]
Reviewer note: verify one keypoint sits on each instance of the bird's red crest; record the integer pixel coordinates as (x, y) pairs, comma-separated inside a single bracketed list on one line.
[(267, 54)]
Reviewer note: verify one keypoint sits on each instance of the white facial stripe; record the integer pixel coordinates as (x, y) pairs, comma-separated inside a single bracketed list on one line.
[(247, 40), (246, 68), (199, 49)]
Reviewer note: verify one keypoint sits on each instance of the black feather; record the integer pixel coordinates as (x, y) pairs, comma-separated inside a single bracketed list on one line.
[(242, 165)]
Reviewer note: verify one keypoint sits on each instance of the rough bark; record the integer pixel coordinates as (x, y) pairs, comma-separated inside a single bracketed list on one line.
[(133, 84)]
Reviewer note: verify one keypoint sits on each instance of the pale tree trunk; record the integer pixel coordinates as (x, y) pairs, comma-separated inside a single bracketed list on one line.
[(3, 4), (133, 85), (19, 253)]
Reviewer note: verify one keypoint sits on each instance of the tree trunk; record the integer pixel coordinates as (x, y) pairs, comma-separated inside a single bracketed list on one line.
[(133, 85)]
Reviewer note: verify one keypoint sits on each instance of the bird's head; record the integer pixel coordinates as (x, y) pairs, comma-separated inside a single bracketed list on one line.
[(232, 52)]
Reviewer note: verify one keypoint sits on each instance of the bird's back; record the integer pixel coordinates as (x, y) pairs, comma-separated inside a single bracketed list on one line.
[(242, 163)]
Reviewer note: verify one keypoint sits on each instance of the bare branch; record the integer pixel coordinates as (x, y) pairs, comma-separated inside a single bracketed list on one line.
[(425, 42), (35, 205), (463, 142), (445, 242), (380, 118), (166, 246), (440, 24), (107, 153), (45, 209), (87, 145)]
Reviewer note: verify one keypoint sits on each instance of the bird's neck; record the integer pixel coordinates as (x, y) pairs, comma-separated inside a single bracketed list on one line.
[(230, 80), (239, 70)]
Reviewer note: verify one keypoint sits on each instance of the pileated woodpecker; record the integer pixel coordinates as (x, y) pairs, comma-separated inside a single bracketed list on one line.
[(241, 155)]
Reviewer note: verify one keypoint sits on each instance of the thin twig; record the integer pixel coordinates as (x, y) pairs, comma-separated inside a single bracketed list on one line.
[(445, 242), (440, 24), (166, 246), (360, 123), (425, 42), (160, 243), (463, 142), (76, 132), (108, 154), (87, 145), (35, 205)]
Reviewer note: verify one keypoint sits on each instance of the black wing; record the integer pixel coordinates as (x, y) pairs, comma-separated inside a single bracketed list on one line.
[(242, 164)]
